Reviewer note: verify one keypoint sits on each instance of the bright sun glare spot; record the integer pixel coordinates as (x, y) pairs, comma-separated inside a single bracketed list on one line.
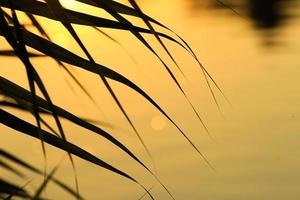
[(71, 4), (83, 8), (158, 123)]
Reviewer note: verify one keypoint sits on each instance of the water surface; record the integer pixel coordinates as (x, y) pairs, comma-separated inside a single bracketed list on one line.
[(255, 150)]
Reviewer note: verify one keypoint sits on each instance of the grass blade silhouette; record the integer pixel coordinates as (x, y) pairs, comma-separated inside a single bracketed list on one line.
[(64, 55), (31, 168), (20, 125)]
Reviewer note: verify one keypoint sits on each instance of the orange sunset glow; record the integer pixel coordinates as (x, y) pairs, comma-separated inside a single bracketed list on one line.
[(122, 100)]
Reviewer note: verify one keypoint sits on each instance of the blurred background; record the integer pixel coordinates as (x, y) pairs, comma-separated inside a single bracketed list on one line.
[(252, 49), (268, 17)]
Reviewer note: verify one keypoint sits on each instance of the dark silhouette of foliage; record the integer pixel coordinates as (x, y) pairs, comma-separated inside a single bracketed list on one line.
[(20, 38)]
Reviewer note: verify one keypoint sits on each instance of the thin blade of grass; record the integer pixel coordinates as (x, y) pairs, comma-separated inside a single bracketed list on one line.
[(45, 182), (64, 55), (11, 189), (24, 127), (16, 42), (59, 12), (151, 28), (30, 167), (16, 91), (12, 53), (11, 169), (39, 8)]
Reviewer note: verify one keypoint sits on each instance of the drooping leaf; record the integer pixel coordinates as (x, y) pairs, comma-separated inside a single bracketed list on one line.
[(64, 55), (11, 168), (28, 166), (12, 53), (20, 125), (11, 189)]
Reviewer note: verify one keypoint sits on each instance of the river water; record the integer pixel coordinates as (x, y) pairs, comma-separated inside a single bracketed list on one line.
[(252, 54)]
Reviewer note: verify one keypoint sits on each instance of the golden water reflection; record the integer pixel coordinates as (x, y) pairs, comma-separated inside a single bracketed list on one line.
[(256, 144)]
